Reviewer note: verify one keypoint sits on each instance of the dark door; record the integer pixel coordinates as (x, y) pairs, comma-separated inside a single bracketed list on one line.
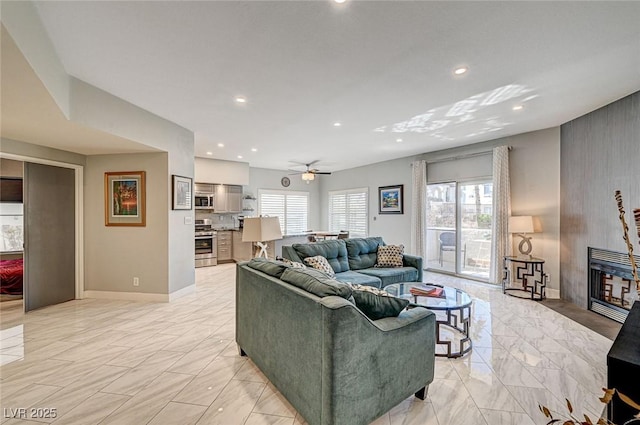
[(49, 235)]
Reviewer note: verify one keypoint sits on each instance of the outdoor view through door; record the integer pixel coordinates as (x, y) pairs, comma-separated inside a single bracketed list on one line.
[(459, 227)]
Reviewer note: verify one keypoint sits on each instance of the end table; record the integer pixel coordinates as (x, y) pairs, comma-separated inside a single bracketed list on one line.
[(524, 277)]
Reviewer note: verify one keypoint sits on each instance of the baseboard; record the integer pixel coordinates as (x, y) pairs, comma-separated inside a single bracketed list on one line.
[(127, 296), (552, 293), (191, 289)]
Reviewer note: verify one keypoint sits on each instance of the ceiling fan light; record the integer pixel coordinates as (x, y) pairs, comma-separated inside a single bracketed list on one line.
[(308, 176)]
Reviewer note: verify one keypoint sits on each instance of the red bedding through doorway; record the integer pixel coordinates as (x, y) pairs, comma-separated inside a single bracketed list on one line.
[(11, 277)]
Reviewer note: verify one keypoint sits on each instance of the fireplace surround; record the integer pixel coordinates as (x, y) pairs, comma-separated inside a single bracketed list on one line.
[(612, 290)]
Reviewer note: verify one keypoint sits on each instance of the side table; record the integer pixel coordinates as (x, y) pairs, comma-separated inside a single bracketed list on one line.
[(524, 275)]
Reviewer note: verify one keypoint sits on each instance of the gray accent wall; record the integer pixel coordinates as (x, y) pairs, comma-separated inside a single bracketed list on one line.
[(600, 153)]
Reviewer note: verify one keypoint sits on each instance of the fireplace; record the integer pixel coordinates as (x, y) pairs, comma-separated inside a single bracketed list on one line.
[(612, 290)]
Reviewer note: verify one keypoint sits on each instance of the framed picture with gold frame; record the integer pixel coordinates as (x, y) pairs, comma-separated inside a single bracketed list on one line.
[(125, 198)]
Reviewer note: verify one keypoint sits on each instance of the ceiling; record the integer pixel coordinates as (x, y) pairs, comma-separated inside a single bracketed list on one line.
[(384, 70)]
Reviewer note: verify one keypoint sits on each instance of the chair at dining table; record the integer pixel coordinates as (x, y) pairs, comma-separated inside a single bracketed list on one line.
[(343, 234)]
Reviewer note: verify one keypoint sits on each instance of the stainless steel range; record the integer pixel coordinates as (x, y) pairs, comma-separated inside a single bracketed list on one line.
[(206, 244)]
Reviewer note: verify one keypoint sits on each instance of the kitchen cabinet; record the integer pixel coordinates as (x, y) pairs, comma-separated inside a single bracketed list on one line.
[(225, 245), (203, 188), (228, 198), (242, 251)]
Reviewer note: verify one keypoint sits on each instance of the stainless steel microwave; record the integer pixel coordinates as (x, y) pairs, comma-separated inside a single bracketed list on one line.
[(203, 201)]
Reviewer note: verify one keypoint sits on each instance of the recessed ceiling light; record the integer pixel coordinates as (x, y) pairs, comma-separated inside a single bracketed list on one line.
[(221, 145), (337, 124), (339, 1), (241, 99), (254, 150), (518, 107), (209, 153), (239, 156), (398, 140), (460, 70)]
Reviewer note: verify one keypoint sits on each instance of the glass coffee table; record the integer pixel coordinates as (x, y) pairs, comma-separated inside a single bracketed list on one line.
[(453, 316)]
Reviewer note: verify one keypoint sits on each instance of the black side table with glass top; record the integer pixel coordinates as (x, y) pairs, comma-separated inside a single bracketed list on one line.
[(453, 313), (524, 277)]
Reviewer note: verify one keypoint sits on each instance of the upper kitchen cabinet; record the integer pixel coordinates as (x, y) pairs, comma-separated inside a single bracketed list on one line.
[(228, 198), (219, 171)]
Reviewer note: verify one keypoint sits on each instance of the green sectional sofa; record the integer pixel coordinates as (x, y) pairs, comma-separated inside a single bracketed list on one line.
[(330, 361), (353, 260)]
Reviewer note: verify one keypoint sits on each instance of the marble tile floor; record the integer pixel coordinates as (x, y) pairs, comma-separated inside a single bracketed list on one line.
[(119, 362)]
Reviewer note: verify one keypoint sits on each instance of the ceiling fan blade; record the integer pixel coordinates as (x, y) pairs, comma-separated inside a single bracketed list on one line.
[(322, 172), (297, 172)]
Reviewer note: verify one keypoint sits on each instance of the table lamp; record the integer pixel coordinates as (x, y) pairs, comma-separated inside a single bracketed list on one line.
[(261, 230), (521, 225)]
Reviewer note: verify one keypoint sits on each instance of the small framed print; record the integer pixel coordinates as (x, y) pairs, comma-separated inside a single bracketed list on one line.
[(390, 199), (182, 193), (124, 198)]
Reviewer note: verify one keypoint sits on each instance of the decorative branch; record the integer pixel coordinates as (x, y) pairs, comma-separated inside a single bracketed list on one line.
[(636, 215), (625, 236)]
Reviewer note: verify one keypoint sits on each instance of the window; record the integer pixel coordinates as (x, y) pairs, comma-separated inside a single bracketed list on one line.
[(291, 207), (348, 210), (11, 227)]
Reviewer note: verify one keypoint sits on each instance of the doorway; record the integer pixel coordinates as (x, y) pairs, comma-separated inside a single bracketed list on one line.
[(52, 222)]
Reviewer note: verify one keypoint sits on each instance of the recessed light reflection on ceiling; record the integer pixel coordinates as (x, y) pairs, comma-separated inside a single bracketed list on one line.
[(209, 153), (241, 99), (239, 156), (254, 150), (398, 140), (221, 145), (518, 107), (337, 124), (460, 70)]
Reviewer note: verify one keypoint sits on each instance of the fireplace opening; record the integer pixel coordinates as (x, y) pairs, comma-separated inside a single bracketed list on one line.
[(612, 290)]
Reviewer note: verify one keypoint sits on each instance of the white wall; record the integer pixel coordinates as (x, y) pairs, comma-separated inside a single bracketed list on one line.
[(220, 171), (262, 178), (93, 108), (394, 228), (535, 189)]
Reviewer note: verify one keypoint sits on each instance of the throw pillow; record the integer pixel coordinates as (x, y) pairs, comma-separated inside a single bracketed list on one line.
[(376, 303), (293, 264), (390, 256), (320, 263), (316, 282)]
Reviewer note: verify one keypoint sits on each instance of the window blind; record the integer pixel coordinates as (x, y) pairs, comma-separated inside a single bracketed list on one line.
[(348, 210), (291, 207)]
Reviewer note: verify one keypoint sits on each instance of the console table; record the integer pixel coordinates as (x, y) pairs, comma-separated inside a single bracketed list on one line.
[(524, 277)]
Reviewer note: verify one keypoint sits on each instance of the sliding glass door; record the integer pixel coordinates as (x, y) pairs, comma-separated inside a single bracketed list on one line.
[(459, 228)]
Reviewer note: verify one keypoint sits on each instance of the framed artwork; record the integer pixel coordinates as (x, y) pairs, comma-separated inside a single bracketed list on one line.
[(182, 193), (390, 199), (124, 198)]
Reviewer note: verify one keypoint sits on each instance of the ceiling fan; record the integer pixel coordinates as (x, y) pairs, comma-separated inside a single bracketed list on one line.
[(310, 173)]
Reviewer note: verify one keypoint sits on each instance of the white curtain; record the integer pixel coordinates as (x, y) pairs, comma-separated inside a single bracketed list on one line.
[(500, 244), (419, 209)]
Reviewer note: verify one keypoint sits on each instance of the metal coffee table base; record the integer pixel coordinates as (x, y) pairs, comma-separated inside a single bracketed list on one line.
[(458, 321)]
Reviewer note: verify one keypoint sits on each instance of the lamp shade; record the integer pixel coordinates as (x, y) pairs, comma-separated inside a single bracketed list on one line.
[(521, 224), (260, 229)]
